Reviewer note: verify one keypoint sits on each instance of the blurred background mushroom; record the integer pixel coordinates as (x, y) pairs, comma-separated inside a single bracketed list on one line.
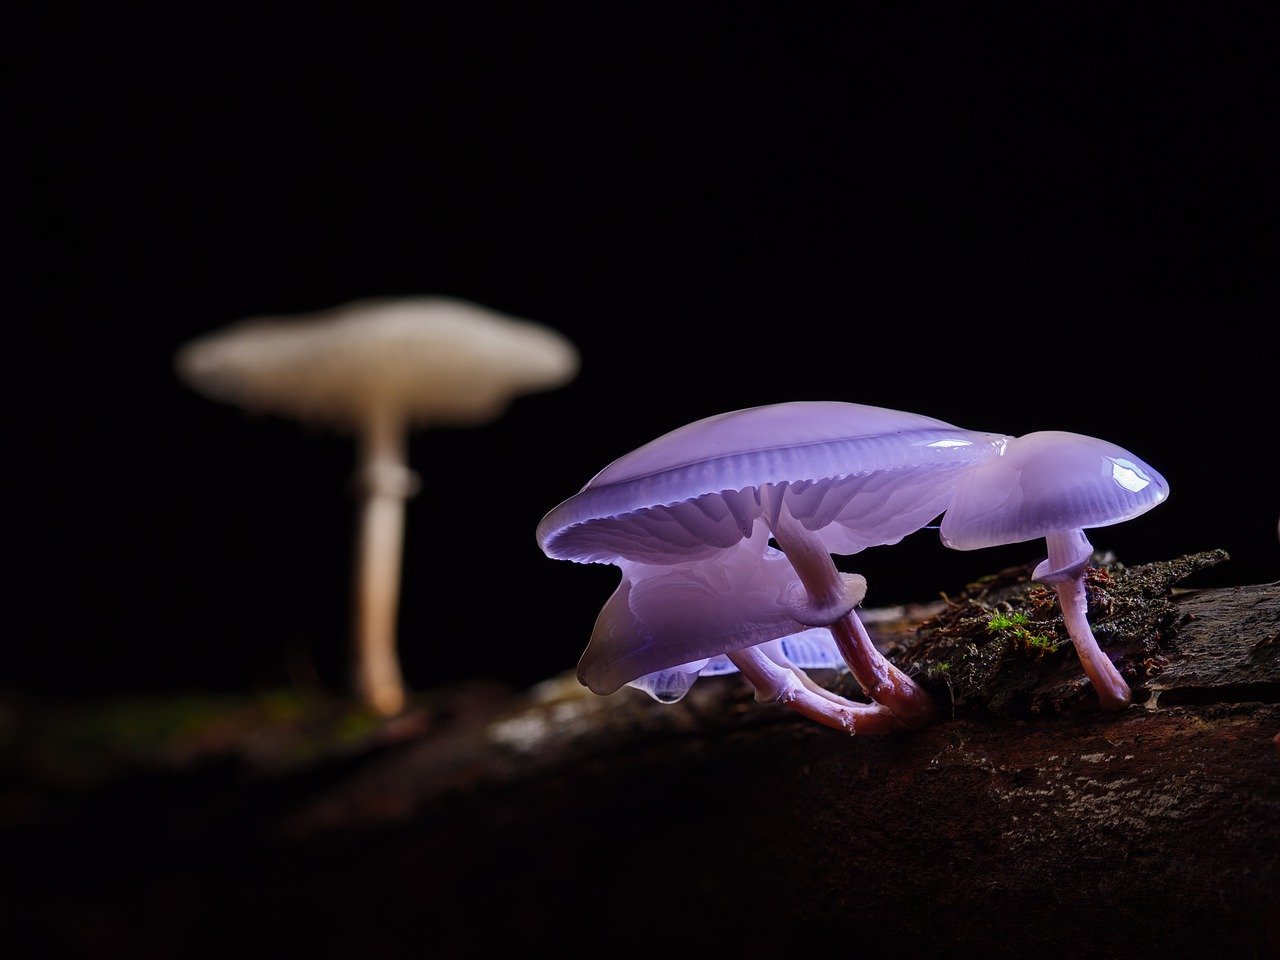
[(377, 368)]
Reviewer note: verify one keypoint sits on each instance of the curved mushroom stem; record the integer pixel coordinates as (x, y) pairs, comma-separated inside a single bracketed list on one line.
[(812, 685), (879, 679), (774, 682), (1066, 572), (384, 483)]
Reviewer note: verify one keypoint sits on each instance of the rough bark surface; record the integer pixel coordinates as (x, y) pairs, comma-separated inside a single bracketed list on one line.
[(567, 821)]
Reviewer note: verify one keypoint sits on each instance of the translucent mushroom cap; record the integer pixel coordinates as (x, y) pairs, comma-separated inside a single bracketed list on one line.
[(812, 649), (856, 475), (662, 616), (428, 360), (1048, 482)]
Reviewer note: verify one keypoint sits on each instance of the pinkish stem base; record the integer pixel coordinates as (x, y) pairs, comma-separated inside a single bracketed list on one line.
[(879, 679), (790, 687), (1069, 553), (1113, 692)]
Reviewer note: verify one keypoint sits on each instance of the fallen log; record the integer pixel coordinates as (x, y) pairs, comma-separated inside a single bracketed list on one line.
[(1026, 822)]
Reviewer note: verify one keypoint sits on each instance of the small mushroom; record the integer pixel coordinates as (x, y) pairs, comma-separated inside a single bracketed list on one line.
[(820, 477), (377, 368), (1055, 485)]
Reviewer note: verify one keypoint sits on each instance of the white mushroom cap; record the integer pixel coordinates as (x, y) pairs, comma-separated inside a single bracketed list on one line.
[(430, 360)]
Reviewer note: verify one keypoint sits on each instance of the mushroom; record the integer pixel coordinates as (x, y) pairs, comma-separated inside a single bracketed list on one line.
[(377, 368), (821, 477), (1055, 485), (666, 624)]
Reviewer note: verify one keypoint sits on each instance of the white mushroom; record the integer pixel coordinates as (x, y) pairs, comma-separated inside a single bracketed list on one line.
[(377, 368)]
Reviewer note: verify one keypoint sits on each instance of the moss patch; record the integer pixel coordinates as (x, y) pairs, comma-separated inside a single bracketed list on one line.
[(1000, 647)]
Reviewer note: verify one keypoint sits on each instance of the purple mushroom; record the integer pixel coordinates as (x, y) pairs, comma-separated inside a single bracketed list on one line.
[(1054, 485), (665, 624), (679, 516)]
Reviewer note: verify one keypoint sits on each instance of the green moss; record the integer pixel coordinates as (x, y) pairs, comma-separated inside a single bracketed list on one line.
[(1006, 621), (1001, 647), (1039, 642), (1014, 623)]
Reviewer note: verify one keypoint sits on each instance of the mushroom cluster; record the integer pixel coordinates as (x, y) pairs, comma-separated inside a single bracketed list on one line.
[(689, 517), (377, 368)]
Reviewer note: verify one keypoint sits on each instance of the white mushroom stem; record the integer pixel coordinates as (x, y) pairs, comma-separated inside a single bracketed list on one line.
[(1065, 549), (775, 683), (384, 483), (879, 679)]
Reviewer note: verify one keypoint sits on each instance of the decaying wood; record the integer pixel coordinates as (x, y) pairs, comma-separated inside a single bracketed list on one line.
[(1046, 828), (717, 821)]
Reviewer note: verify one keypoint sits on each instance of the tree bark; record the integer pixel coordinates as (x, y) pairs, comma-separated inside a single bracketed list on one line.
[(721, 823), (1027, 822)]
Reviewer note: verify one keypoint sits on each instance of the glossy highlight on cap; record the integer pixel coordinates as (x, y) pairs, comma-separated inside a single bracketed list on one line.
[(1046, 482), (855, 475)]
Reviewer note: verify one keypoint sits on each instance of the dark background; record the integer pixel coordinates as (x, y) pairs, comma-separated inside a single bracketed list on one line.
[(1011, 225)]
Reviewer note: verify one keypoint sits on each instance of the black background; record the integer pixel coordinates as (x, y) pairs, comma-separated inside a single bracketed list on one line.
[(1008, 224)]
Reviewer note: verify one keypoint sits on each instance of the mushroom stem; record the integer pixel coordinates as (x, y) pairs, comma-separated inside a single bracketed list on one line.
[(1113, 692), (384, 483), (812, 684), (775, 683), (879, 679)]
